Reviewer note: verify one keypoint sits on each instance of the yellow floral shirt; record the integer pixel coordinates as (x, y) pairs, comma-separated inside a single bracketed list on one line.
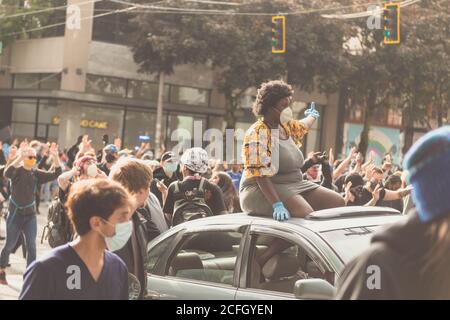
[(257, 147)]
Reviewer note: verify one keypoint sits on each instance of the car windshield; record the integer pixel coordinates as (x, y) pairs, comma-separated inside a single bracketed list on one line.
[(350, 242)]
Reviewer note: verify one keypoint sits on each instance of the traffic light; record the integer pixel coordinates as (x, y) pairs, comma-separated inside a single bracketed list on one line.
[(278, 34), (391, 19)]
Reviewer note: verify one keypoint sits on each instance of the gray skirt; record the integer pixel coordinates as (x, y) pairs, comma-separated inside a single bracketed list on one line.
[(254, 202)]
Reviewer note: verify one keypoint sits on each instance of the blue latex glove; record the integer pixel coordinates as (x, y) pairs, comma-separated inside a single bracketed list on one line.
[(312, 112), (280, 213)]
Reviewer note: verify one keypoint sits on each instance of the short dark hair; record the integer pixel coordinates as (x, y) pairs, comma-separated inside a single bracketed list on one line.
[(393, 179), (269, 94), (355, 179), (133, 174), (94, 197)]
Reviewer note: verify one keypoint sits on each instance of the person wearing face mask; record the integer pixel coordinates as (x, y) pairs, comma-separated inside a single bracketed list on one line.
[(272, 183), (135, 176), (84, 168), (24, 179), (166, 174), (86, 268)]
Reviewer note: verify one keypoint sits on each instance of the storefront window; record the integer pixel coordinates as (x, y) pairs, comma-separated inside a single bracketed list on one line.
[(140, 123), (22, 130), (24, 110), (96, 122), (48, 110), (106, 85), (187, 95), (185, 124)]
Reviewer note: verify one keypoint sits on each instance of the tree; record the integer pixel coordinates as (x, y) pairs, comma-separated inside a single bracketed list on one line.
[(162, 41), (12, 28)]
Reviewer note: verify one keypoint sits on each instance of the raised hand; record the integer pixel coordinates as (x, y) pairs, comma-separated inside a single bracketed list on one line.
[(331, 157), (54, 150), (376, 193), (312, 112)]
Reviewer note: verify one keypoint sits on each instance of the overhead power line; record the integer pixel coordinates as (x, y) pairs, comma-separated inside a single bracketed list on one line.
[(22, 14)]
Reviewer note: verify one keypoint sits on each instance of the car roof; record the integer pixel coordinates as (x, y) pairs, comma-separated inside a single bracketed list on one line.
[(318, 221)]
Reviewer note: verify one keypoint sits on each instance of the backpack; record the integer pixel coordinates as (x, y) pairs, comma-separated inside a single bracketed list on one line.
[(190, 204), (58, 230)]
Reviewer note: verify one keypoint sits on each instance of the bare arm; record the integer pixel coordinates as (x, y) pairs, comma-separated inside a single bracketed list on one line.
[(64, 179), (344, 164), (267, 188), (395, 195)]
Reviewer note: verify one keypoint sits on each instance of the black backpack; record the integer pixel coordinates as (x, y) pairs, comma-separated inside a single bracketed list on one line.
[(58, 230), (190, 204)]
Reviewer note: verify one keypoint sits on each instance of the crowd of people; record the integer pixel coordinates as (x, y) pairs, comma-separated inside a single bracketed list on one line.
[(117, 200)]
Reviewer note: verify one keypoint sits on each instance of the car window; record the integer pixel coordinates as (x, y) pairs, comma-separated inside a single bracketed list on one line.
[(276, 264), (207, 256), (155, 253)]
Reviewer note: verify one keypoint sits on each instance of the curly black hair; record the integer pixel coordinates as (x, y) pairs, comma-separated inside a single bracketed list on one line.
[(269, 94)]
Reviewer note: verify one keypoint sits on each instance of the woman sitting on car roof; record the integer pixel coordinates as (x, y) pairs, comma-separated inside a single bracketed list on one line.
[(272, 182)]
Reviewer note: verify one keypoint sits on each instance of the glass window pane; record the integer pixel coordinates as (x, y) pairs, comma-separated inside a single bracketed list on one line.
[(41, 131), (142, 90), (47, 110), (52, 133), (50, 81), (26, 81), (97, 121), (24, 110), (22, 130), (207, 256), (140, 123), (106, 85), (186, 95), (155, 254)]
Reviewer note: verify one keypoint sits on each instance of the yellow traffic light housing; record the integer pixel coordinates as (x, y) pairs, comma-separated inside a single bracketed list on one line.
[(278, 34), (391, 21)]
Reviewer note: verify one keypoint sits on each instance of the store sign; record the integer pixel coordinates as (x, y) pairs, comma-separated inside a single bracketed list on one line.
[(56, 120), (94, 124)]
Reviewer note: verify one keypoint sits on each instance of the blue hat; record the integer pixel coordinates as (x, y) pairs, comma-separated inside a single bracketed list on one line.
[(110, 148), (428, 167)]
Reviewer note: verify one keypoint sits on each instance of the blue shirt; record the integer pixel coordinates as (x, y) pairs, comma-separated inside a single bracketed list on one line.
[(62, 275), (236, 177)]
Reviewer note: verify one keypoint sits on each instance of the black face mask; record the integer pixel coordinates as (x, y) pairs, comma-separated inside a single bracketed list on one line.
[(110, 158)]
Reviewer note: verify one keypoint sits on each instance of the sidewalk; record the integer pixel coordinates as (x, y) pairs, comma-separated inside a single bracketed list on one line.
[(18, 264)]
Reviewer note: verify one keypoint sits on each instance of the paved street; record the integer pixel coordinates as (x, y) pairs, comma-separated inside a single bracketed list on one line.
[(18, 263)]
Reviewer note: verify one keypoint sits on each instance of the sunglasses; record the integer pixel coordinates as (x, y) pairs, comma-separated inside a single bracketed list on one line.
[(31, 157)]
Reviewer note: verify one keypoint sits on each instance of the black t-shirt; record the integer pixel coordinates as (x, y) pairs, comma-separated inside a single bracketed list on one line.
[(363, 196), (215, 202), (160, 174), (63, 275)]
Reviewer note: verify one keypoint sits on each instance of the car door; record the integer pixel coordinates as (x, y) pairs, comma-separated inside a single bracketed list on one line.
[(294, 258), (203, 264)]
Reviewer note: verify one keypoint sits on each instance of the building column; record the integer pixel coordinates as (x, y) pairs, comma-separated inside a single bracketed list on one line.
[(77, 41)]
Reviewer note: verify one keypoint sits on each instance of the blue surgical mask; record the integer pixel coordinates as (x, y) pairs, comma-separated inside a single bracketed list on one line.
[(170, 167), (120, 237)]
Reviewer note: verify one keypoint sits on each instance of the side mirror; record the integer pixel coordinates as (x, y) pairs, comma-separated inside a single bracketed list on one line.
[(314, 289)]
